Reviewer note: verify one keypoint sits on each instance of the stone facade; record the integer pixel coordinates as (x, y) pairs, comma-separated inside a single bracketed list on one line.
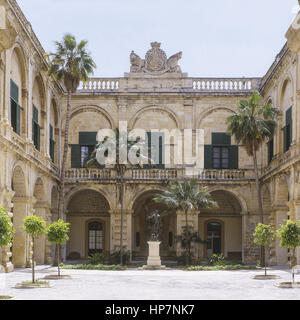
[(155, 94)]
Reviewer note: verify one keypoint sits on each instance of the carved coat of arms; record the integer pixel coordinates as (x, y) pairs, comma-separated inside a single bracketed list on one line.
[(156, 61)]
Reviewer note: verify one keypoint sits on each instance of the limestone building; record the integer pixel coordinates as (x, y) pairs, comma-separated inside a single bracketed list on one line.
[(155, 94)]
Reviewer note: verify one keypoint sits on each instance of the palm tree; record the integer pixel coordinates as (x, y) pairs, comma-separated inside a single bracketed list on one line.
[(252, 125), (71, 63), (186, 197), (119, 142)]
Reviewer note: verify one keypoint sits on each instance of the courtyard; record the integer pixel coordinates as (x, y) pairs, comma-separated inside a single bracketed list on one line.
[(134, 284)]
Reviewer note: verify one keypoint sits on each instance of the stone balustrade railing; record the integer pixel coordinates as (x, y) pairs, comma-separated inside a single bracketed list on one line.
[(100, 84), (88, 174), (158, 174), (205, 85), (226, 84), (154, 174)]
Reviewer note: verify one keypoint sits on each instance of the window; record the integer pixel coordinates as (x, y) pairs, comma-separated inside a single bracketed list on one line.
[(221, 154), (171, 239), (52, 143), (82, 151), (220, 157), (85, 153), (288, 130), (15, 108), (95, 238), (36, 129)]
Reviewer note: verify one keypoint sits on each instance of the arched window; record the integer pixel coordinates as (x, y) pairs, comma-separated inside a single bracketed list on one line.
[(95, 237), (214, 238)]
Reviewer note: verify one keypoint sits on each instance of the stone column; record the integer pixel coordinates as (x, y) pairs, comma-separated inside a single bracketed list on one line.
[(6, 265), (48, 245), (115, 229), (22, 245)]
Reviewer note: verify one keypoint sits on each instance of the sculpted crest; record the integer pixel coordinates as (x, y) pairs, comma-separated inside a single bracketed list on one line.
[(156, 62)]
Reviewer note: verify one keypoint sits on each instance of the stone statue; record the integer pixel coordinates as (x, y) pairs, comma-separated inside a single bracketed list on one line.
[(155, 225), (173, 62), (136, 62)]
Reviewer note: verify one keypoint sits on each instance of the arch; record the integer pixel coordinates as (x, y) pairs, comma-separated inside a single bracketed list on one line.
[(138, 114), (71, 193), (210, 110), (84, 206), (242, 202), (283, 85), (19, 184), (22, 59), (39, 190), (136, 196), (92, 108), (38, 79)]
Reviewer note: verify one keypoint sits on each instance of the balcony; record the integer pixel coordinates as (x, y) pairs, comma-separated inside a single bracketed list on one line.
[(73, 175)]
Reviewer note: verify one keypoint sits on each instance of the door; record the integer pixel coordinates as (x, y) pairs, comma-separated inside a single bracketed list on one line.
[(95, 238), (214, 238)]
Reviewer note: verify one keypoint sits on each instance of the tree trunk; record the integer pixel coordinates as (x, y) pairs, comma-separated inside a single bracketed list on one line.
[(122, 220), (264, 249), (188, 253), (58, 260), (293, 263), (32, 261), (64, 160), (260, 206)]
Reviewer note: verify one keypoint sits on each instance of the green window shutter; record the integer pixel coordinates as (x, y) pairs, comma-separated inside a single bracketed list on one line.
[(35, 114), (13, 114), (75, 156), (88, 138), (221, 138), (270, 145), (233, 157), (18, 119), (288, 116), (52, 143), (208, 156), (285, 139), (38, 141), (14, 91)]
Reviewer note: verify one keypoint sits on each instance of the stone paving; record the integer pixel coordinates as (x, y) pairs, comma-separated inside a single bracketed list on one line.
[(150, 285)]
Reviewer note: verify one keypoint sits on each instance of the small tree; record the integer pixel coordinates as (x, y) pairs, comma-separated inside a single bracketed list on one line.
[(34, 226), (263, 236), (289, 235), (6, 228), (57, 233)]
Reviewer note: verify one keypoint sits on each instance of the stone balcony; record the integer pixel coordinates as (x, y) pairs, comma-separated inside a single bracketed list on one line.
[(143, 175), (226, 86)]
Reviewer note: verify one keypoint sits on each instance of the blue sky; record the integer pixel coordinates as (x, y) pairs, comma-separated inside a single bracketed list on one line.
[(219, 38)]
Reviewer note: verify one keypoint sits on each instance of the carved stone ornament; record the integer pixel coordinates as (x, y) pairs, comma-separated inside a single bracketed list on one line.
[(156, 61)]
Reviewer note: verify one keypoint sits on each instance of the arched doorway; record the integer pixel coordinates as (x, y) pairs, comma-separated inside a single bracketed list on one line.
[(88, 215), (222, 227), (142, 208)]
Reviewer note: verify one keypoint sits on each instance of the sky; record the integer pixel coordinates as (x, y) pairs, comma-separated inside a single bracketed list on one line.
[(218, 38)]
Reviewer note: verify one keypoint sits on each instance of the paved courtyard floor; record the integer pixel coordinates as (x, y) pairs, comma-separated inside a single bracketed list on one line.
[(150, 285)]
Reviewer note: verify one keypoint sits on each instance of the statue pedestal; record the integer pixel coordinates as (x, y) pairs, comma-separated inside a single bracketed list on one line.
[(154, 261)]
